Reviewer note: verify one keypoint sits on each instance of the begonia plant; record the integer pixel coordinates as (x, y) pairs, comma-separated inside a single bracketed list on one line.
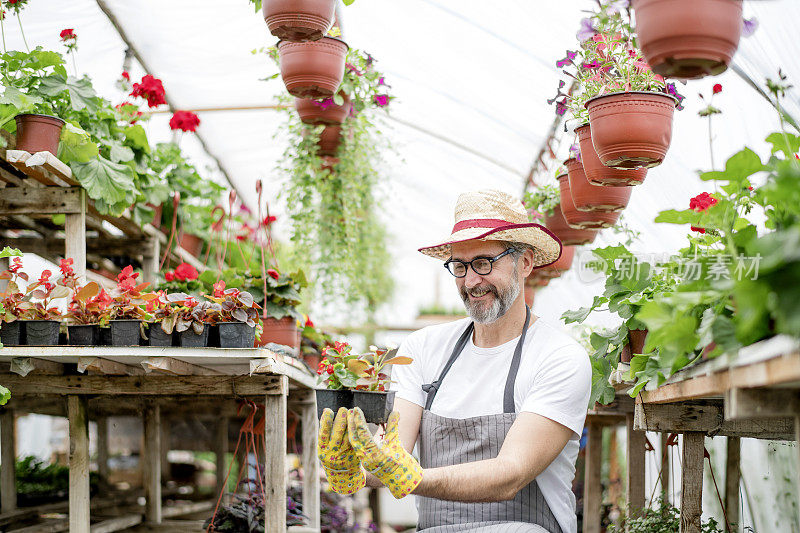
[(341, 369), (237, 306)]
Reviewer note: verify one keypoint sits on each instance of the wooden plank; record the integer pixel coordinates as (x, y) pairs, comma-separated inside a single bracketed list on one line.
[(176, 367), (78, 464), (692, 482), (275, 459), (761, 403), (220, 449), (310, 424), (32, 365), (117, 524), (8, 456), (152, 463), (75, 237), (50, 526), (273, 365), (146, 385), (151, 254), (101, 246), (172, 526), (635, 468), (592, 487), (182, 509), (37, 200), (102, 450), (665, 470), (732, 477), (106, 367), (707, 416), (42, 162), (18, 159)]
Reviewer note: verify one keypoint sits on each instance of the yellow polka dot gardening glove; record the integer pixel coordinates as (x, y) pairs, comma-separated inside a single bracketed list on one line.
[(388, 461), (341, 464)]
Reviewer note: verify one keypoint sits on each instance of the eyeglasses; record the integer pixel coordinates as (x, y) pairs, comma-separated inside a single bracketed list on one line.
[(480, 265)]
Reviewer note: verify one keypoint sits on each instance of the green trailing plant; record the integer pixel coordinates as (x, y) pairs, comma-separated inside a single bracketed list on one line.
[(541, 201), (662, 518), (37, 480)]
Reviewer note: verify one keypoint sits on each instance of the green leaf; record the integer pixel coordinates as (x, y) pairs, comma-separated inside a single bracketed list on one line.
[(21, 101), (76, 145), (5, 395), (738, 167), (119, 153), (58, 220), (576, 316), (671, 216), (784, 142), (81, 93), (137, 137), (7, 251), (345, 377), (105, 180)]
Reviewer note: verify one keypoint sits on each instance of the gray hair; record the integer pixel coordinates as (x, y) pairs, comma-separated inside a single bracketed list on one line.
[(517, 248)]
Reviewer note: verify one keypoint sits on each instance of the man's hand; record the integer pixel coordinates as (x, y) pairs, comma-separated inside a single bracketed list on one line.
[(388, 461), (340, 462)]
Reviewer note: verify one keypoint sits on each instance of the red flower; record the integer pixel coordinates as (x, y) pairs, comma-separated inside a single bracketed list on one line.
[(126, 284), (45, 276), (150, 89), (330, 369), (17, 265), (309, 323), (184, 120), (219, 288), (699, 230), (716, 89), (126, 76), (269, 219), (66, 266), (169, 276), (186, 272), (702, 202), (67, 34), (273, 273), (127, 273), (241, 237)]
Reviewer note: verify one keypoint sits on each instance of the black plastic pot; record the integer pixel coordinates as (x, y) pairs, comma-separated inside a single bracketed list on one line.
[(125, 332), (158, 337), (236, 335), (12, 333), (41, 332), (190, 339), (377, 406), (333, 400), (83, 335)]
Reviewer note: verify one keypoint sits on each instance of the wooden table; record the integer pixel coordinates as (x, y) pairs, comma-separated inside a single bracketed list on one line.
[(86, 383)]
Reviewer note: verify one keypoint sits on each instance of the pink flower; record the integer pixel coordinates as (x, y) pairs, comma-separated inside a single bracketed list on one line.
[(184, 121), (382, 100), (219, 288), (325, 104), (381, 81)]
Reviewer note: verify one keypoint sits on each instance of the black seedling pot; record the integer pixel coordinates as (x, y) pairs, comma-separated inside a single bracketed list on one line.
[(333, 400), (83, 335), (41, 332), (377, 406), (236, 335), (12, 333), (158, 337), (190, 339), (125, 332)]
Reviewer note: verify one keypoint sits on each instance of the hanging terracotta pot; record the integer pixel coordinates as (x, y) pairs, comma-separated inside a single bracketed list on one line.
[(329, 163), (631, 129), (316, 113), (688, 38), (599, 174), (38, 133), (568, 235), (312, 69), (299, 20), (283, 331), (582, 219), (561, 265), (329, 140), (588, 197), (191, 243)]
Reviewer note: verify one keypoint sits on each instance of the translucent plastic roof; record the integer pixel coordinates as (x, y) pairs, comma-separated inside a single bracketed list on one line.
[(471, 79)]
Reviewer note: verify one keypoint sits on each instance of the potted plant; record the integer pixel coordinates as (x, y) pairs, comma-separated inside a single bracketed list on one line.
[(162, 320), (544, 204), (299, 20), (357, 381), (581, 219), (588, 197), (190, 318), (87, 308), (323, 112), (126, 310), (237, 321), (599, 174), (688, 39), (312, 69), (329, 140), (13, 304), (561, 265), (41, 318), (279, 315)]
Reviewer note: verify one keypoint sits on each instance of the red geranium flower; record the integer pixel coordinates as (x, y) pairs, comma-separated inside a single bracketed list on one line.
[(169, 276), (67, 34), (126, 76), (269, 219), (699, 230), (184, 120), (717, 88), (186, 272), (150, 89), (702, 202), (273, 273), (309, 323)]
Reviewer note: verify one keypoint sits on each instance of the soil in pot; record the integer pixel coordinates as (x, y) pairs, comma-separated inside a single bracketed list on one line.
[(12, 333), (599, 174), (283, 331), (236, 335), (83, 335), (329, 141), (158, 337), (316, 113), (582, 219), (38, 133), (41, 332), (190, 339), (588, 197), (631, 129), (299, 20), (333, 400), (377, 406), (125, 332), (688, 39), (312, 69), (566, 234)]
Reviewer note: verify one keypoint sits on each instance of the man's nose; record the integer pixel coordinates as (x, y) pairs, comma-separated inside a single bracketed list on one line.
[(472, 279)]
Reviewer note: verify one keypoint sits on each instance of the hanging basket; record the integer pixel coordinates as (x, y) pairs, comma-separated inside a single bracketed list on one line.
[(557, 224), (38, 133), (631, 129), (588, 197), (299, 20), (317, 113), (329, 141), (560, 266), (688, 39), (582, 219), (312, 69), (599, 174)]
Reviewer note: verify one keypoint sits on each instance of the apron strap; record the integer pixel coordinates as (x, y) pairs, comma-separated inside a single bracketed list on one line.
[(432, 388), (508, 394)]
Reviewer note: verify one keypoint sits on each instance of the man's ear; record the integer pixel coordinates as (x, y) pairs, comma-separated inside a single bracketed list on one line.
[(527, 262)]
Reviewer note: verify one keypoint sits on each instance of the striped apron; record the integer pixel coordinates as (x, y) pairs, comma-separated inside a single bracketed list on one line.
[(449, 441)]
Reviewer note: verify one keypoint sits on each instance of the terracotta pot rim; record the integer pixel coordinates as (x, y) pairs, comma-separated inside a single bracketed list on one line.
[(284, 41), (41, 115), (675, 101)]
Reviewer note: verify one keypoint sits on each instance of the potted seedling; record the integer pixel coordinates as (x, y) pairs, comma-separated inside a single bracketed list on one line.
[(357, 381), (87, 308), (190, 318), (13, 304), (126, 311), (161, 325), (237, 325), (42, 325)]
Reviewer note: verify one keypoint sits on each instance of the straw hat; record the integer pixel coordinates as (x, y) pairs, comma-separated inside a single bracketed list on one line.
[(491, 215)]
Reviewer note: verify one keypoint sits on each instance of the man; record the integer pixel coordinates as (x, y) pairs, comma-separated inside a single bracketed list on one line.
[(496, 402)]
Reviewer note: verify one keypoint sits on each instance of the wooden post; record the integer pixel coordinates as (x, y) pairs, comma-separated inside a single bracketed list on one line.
[(797, 447), (732, 474), (164, 450), (75, 238), (102, 450), (665, 457), (150, 259), (8, 456), (78, 464), (152, 463), (592, 488), (220, 449), (635, 468), (311, 505), (692, 482), (275, 458)]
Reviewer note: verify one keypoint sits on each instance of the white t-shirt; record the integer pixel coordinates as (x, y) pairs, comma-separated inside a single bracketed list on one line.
[(554, 381)]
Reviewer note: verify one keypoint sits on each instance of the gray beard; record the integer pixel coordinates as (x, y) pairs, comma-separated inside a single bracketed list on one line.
[(502, 302)]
